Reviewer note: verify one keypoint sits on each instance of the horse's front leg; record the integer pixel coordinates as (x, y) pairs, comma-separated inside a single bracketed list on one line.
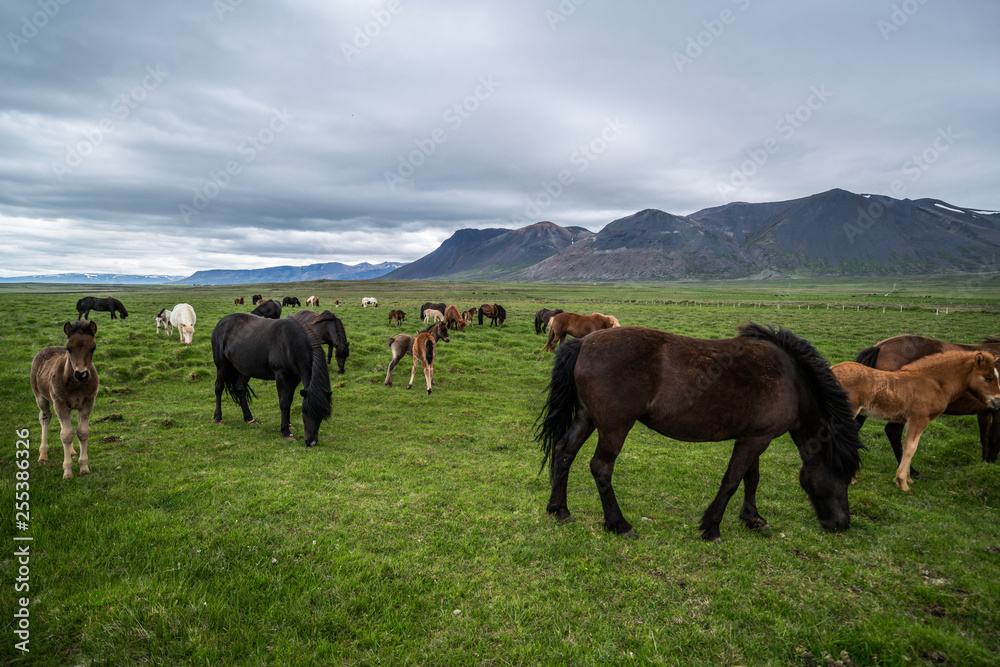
[(83, 433), (914, 428), (44, 419), (242, 390), (748, 513), (894, 431), (66, 434), (286, 392), (563, 454), (989, 435), (746, 453), (602, 467)]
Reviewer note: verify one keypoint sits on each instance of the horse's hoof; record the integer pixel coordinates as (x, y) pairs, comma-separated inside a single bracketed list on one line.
[(428, 391), (218, 421), (253, 421), (67, 475), (631, 534), (757, 523), (84, 471)]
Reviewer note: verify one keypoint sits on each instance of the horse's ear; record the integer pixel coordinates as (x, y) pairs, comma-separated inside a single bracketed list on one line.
[(93, 328), (66, 327), (979, 359)]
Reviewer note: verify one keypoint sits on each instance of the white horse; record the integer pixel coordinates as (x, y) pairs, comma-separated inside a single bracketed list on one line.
[(431, 316), (163, 318), (369, 301), (183, 317)]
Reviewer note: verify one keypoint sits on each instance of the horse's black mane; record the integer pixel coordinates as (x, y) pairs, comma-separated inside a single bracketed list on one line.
[(316, 403), (992, 339), (842, 447)]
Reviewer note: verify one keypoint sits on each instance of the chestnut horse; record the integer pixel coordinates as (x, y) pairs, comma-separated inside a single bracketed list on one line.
[(893, 353), (65, 378), (578, 326), (542, 318), (454, 318), (919, 392), (751, 388), (331, 331), (397, 317), (424, 346)]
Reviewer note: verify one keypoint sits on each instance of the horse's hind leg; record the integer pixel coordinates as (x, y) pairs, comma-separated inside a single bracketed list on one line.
[(429, 375), (602, 467), (746, 453), (894, 431), (563, 454), (748, 513)]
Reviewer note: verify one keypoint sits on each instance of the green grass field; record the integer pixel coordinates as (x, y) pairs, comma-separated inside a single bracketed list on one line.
[(416, 532)]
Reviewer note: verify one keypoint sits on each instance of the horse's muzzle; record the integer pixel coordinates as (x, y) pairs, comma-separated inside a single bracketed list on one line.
[(995, 403), (81, 376)]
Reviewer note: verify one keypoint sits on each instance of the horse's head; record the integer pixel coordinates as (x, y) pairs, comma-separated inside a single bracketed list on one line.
[(80, 344), (828, 495), (984, 382), (440, 331)]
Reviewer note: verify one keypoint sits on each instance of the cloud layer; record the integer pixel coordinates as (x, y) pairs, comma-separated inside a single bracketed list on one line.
[(226, 134)]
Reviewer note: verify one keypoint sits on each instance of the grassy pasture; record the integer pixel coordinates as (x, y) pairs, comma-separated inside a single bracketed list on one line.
[(416, 532)]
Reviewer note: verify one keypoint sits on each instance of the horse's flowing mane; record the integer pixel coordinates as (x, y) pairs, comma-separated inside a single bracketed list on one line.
[(843, 445), (316, 402)]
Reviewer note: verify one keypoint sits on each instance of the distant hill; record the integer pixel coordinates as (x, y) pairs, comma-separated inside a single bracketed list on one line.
[(285, 274), (834, 233), (491, 254), (95, 279)]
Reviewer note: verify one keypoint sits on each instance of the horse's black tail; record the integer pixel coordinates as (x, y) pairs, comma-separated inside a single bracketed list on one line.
[(868, 356), (840, 440), (318, 399), (429, 351), (559, 410), (228, 374), (480, 315)]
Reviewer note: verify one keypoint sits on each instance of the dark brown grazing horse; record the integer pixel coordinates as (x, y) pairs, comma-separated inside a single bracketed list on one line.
[(64, 378), (107, 305), (919, 392), (495, 312), (542, 318), (397, 317), (751, 388), (331, 332), (256, 298), (424, 346), (238, 302), (893, 353), (578, 326), (454, 319)]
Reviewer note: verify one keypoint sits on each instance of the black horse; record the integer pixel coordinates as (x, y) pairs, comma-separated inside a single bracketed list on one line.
[(330, 330), (432, 306), (542, 318), (106, 305), (286, 351), (291, 301), (270, 309), (750, 389)]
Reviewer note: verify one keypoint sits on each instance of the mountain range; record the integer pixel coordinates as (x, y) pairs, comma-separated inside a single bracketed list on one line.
[(286, 274), (834, 233)]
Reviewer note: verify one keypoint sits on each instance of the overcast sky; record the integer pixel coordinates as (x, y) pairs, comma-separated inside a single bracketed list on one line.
[(171, 137)]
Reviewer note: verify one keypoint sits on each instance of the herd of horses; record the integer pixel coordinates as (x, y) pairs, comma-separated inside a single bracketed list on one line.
[(751, 388)]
